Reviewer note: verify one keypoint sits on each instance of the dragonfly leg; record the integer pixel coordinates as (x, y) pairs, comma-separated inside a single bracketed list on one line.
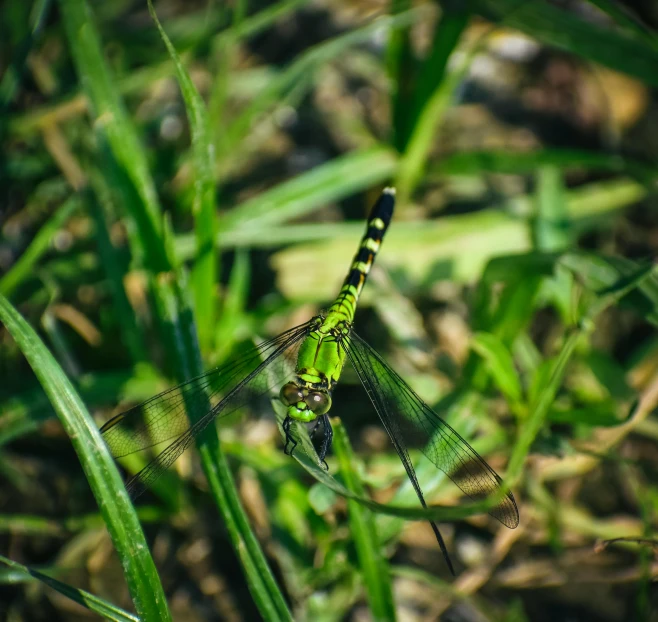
[(326, 439), (287, 422)]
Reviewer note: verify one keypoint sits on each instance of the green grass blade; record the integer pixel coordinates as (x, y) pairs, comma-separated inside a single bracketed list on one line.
[(565, 30), (624, 286), (13, 73), (500, 364), (87, 600), (297, 78), (115, 126), (39, 245), (539, 409), (98, 465), (204, 272), (38, 526), (616, 279), (268, 15), (179, 332), (402, 68), (374, 568), (448, 31), (332, 181), (551, 224), (626, 19), (226, 45), (523, 162), (414, 159), (408, 512), (114, 269), (234, 304)]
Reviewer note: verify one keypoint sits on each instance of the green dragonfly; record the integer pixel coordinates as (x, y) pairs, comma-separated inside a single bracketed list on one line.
[(303, 365)]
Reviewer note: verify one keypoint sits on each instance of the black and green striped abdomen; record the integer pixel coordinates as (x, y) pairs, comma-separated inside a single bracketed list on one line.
[(378, 221)]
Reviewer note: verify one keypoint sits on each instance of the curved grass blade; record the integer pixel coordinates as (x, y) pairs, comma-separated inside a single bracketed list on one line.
[(25, 264), (214, 394), (102, 607), (119, 515), (372, 562), (204, 272), (409, 421)]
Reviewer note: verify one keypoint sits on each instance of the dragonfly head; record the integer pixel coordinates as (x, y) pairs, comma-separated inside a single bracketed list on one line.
[(304, 404)]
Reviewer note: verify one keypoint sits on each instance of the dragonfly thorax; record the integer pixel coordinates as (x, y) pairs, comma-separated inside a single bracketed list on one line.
[(305, 402)]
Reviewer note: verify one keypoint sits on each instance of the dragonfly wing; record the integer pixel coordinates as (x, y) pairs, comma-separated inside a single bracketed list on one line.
[(407, 418), (216, 393)]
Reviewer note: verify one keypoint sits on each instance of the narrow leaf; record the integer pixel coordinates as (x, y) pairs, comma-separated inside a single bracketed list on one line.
[(39, 245), (85, 599), (374, 569), (204, 272), (98, 465), (500, 364)]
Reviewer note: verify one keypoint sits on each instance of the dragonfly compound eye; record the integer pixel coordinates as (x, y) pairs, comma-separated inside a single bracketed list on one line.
[(291, 394), (319, 403)]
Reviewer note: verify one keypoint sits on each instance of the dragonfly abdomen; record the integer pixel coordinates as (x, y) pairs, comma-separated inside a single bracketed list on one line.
[(378, 221)]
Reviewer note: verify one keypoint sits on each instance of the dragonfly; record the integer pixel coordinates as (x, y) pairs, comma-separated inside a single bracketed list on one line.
[(301, 368)]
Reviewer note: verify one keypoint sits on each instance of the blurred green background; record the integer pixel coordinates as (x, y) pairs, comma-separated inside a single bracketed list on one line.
[(211, 179)]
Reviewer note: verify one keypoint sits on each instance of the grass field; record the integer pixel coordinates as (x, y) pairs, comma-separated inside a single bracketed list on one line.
[(181, 179)]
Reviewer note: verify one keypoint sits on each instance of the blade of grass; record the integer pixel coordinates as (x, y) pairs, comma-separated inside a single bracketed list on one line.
[(38, 526), (179, 333), (132, 337), (115, 126), (297, 77), (85, 599), (613, 275), (476, 162), (402, 69), (24, 266), (432, 71), (540, 409), (204, 272), (414, 159), (437, 513), (253, 24), (332, 181), (565, 30), (13, 73), (374, 567), (233, 306), (500, 363), (625, 18), (551, 223), (98, 465)]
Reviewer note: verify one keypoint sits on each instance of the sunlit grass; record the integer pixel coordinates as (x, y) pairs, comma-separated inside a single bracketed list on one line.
[(196, 231)]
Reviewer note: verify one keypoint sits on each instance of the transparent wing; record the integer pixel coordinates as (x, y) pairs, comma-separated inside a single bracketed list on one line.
[(216, 393), (408, 420)]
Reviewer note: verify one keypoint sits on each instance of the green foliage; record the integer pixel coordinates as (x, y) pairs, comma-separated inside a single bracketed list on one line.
[(502, 294), (99, 468)]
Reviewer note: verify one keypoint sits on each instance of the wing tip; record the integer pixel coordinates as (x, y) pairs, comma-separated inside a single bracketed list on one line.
[(507, 512)]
